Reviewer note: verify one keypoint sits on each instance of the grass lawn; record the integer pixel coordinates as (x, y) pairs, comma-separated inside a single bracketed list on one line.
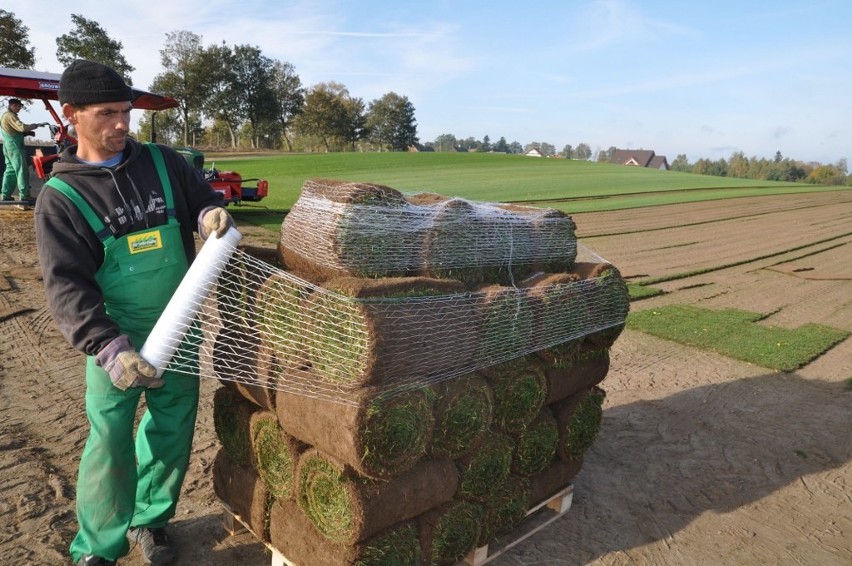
[(572, 186), (737, 334)]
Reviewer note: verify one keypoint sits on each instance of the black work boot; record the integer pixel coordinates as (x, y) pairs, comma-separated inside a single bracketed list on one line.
[(154, 544), (90, 560)]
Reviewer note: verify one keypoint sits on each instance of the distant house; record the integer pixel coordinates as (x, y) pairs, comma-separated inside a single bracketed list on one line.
[(534, 152), (639, 158)]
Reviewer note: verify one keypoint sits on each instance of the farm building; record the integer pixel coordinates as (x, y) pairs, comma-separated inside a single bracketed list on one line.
[(639, 158)]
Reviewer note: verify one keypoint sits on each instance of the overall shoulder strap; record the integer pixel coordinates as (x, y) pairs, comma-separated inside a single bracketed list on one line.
[(163, 174), (103, 234)]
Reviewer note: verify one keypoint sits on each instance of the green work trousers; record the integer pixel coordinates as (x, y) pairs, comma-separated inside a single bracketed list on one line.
[(16, 173), (145, 494)]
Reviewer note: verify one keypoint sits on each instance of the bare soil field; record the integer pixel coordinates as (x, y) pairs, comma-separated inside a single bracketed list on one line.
[(701, 459)]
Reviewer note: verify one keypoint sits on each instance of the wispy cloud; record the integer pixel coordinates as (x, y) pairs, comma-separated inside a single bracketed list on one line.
[(604, 23)]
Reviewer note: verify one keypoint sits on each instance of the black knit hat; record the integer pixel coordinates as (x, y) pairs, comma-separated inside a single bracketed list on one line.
[(87, 82)]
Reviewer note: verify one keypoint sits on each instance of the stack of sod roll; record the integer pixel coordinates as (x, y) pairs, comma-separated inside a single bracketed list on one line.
[(408, 377)]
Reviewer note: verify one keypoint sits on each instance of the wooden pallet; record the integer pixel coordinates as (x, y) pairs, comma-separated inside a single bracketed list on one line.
[(235, 525), (536, 519)]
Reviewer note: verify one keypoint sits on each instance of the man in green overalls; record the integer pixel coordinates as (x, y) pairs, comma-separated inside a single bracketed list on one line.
[(114, 226), (16, 173)]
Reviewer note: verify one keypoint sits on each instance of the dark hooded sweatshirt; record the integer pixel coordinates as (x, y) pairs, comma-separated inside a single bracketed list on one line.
[(128, 198)]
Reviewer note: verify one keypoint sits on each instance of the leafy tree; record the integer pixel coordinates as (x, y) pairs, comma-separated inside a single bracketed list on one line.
[(501, 146), (167, 126), (467, 144), (738, 165), (568, 151), (90, 41), (485, 146), (253, 72), (222, 90), (446, 142), (287, 88), (680, 163), (331, 116), (390, 122), (15, 51), (547, 149), (583, 151), (185, 76), (515, 147)]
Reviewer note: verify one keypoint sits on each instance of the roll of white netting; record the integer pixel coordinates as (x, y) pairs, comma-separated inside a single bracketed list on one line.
[(182, 308)]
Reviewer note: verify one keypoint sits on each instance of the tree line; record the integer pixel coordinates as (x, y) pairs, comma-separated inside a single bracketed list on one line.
[(232, 95), (235, 96)]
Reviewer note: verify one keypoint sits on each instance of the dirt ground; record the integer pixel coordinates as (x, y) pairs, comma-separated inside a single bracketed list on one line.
[(701, 459)]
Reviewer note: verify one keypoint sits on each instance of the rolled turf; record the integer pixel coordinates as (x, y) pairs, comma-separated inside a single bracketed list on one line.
[(295, 537), (483, 470), (389, 330), (507, 318), (450, 531), (463, 412), (382, 434), (340, 228), (579, 418), (519, 388), (347, 508), (559, 307), (275, 454), (535, 445), (505, 509), (279, 321), (231, 420), (607, 300)]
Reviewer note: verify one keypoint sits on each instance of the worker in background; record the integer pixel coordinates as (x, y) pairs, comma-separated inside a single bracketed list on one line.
[(16, 173), (114, 227)]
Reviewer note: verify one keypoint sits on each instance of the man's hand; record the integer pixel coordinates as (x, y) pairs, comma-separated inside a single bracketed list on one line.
[(126, 368), (129, 369), (216, 220)]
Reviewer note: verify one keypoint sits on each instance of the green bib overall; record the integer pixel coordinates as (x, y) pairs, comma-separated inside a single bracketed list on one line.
[(16, 173), (119, 485)]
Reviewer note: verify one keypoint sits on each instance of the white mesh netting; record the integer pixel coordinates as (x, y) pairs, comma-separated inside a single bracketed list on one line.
[(266, 326)]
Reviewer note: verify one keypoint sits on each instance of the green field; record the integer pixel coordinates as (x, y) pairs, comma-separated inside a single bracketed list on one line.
[(571, 186)]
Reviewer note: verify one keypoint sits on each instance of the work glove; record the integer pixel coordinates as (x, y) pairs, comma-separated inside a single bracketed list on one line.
[(215, 220), (126, 368)]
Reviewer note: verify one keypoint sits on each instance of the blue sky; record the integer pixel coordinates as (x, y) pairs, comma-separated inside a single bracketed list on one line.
[(703, 79)]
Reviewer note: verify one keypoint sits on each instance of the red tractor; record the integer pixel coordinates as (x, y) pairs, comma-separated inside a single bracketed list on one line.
[(36, 85), (229, 184), (28, 84)]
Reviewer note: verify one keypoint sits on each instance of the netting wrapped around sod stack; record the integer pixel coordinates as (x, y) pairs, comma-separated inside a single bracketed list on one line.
[(389, 334)]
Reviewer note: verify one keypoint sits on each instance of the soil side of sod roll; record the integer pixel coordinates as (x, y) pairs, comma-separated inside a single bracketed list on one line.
[(242, 490), (590, 368), (380, 435)]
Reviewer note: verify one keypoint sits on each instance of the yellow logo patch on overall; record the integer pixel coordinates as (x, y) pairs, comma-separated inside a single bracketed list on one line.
[(145, 242)]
